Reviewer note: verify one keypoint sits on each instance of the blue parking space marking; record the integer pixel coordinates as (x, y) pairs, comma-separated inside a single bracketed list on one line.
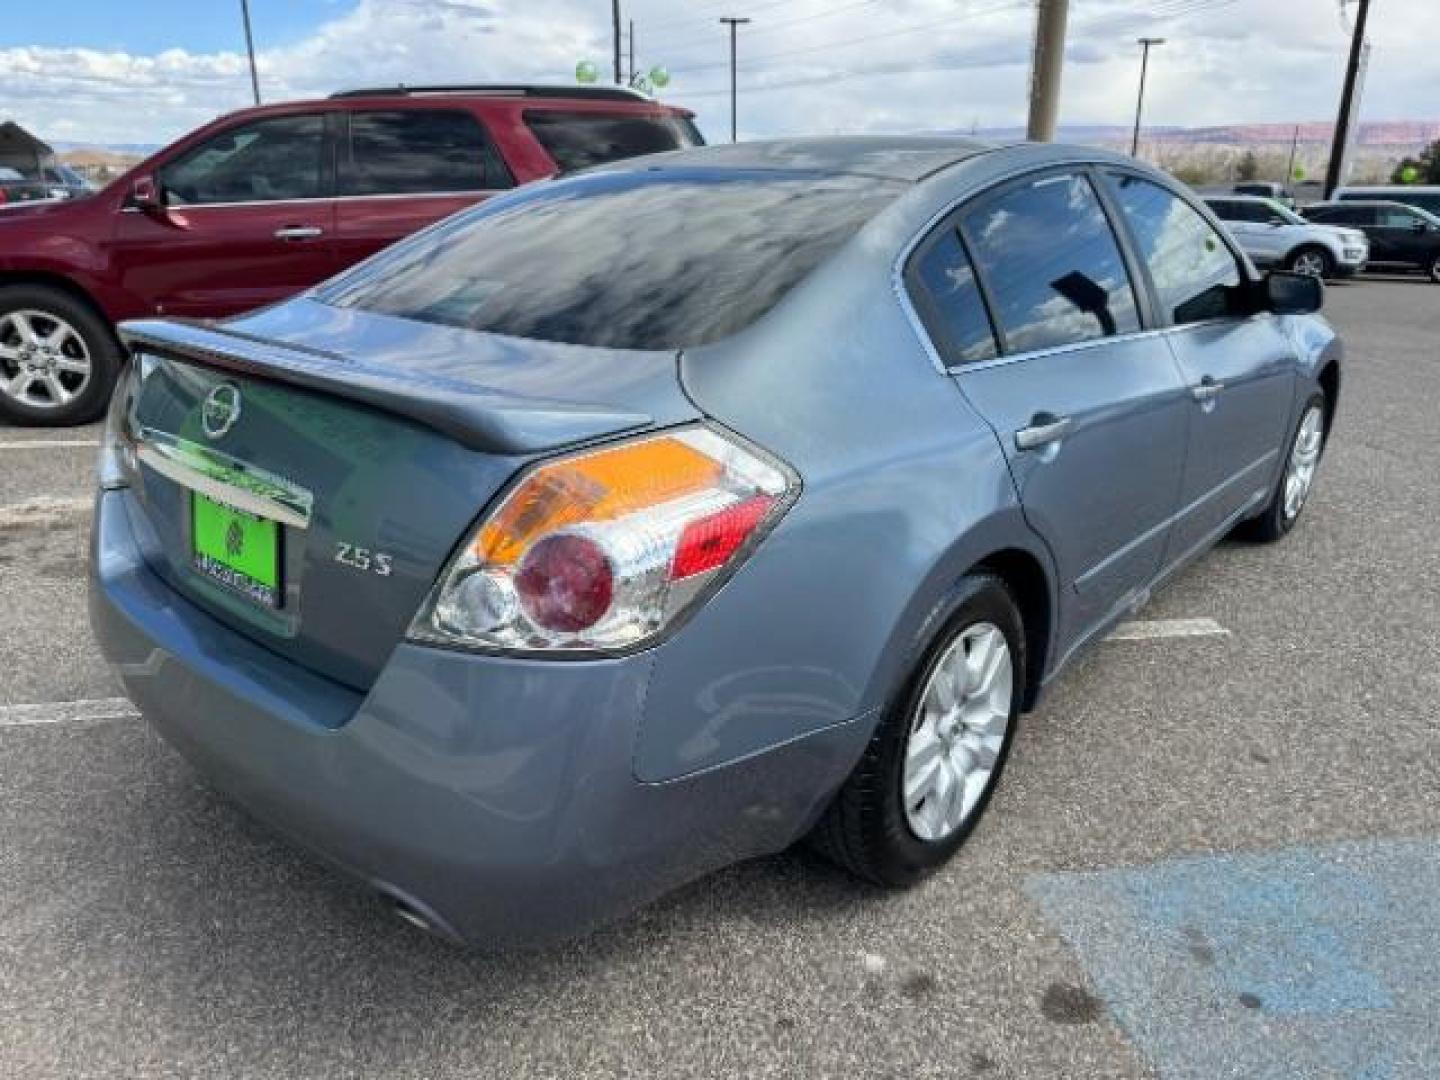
[(1308, 962)]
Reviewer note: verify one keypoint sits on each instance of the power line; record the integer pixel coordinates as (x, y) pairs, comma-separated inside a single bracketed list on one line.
[(899, 32)]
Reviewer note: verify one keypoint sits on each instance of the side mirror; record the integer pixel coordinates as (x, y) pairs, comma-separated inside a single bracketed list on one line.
[(1420, 226), (1275, 222), (1294, 294), (145, 195)]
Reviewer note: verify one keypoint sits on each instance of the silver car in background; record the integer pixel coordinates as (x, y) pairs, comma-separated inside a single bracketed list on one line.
[(1274, 235)]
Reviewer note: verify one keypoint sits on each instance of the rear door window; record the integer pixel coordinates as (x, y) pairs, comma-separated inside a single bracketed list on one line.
[(577, 140), (271, 160), (420, 151), (625, 260), (1396, 217), (1195, 274), (1344, 215), (1051, 264), (943, 285)]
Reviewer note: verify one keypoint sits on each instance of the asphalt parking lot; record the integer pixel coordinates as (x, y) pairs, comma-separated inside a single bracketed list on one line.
[(1213, 855)]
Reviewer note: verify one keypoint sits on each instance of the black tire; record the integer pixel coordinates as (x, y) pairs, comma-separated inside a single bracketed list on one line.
[(864, 830), (1327, 261), (105, 354), (1273, 523), (1435, 268)]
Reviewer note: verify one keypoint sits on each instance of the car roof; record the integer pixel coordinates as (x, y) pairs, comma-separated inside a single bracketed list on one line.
[(1266, 199), (906, 158)]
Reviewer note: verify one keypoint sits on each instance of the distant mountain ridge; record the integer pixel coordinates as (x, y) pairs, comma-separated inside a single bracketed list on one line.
[(1405, 134)]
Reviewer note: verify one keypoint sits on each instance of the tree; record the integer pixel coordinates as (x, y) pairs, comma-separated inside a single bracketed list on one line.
[(1426, 167), (1249, 167)]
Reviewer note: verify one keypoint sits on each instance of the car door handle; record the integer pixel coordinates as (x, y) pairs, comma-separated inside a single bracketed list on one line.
[(1206, 390), (299, 232), (1045, 428)]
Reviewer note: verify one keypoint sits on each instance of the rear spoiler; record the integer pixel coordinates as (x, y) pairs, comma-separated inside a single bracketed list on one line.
[(477, 417)]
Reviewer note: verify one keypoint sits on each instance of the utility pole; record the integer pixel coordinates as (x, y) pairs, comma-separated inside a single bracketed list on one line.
[(632, 53), (1050, 16), (1145, 43), (250, 49), (615, 33), (1290, 168), (1333, 174), (733, 23)]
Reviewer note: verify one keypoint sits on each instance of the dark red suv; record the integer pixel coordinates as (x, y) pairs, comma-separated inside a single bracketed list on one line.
[(264, 202)]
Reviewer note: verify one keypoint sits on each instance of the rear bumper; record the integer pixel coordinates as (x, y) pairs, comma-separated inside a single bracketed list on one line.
[(495, 795)]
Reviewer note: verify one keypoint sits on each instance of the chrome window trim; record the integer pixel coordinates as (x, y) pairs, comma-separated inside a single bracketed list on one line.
[(225, 479), (186, 207)]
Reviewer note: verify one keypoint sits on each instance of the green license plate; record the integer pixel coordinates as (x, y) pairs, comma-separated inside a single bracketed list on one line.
[(239, 550)]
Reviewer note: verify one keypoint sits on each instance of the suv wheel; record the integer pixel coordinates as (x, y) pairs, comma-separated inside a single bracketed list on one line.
[(58, 358), (937, 754), (1315, 261)]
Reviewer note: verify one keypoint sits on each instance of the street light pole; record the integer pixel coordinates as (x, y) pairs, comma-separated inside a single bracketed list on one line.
[(732, 22), (250, 49), (1145, 43), (615, 36)]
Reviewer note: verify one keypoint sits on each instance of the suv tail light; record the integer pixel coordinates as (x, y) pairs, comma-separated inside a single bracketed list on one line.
[(602, 550)]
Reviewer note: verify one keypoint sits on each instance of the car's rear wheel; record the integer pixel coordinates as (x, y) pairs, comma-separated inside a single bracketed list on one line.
[(936, 756), (58, 358), (1315, 261), (1298, 477), (1435, 268)]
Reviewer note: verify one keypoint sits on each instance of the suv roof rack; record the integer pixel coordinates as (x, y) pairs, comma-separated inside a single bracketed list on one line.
[(601, 93)]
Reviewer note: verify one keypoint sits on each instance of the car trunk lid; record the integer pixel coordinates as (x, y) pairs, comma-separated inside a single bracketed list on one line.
[(371, 442)]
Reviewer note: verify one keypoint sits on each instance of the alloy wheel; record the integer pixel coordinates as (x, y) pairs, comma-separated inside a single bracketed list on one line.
[(957, 732), (1309, 262), (1304, 459), (44, 362)]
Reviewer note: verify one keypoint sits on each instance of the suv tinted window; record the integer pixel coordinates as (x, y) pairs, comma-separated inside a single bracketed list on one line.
[(1195, 275), (948, 298), (419, 151), (577, 140), (1051, 264), (1342, 215), (1397, 217), (630, 260), (264, 161)]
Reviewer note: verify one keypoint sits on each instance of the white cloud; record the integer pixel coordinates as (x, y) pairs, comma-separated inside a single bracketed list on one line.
[(831, 65)]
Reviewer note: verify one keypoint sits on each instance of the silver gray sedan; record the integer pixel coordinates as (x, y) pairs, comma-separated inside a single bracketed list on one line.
[(639, 522)]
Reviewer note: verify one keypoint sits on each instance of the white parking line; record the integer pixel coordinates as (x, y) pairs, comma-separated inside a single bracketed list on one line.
[(66, 712), (50, 444), (1154, 629)]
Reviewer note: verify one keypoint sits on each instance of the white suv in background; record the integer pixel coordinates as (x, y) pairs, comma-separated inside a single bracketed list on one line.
[(1273, 235)]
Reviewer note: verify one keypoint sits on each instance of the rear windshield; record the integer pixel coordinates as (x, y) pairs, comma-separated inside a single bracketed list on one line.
[(581, 139), (630, 260)]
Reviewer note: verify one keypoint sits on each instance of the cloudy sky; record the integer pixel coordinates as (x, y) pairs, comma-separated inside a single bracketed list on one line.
[(145, 71)]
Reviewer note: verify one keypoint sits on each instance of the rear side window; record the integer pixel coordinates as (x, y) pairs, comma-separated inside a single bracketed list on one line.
[(419, 151), (581, 139), (943, 284), (625, 260), (264, 161), (1343, 215), (1051, 264), (1396, 217), (1195, 275)]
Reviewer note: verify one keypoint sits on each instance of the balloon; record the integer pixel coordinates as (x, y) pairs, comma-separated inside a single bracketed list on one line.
[(659, 77), (1409, 174), (586, 72), (1300, 172)]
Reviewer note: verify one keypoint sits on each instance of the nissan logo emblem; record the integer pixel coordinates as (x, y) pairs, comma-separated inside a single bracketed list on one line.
[(221, 410)]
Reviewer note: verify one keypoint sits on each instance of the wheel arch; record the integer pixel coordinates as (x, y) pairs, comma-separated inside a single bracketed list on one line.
[(1329, 380), (1029, 584), (61, 283)]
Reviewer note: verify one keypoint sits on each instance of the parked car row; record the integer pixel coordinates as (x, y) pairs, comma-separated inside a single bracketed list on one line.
[(1274, 235), (1402, 237), (610, 532), (54, 181), (265, 202)]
